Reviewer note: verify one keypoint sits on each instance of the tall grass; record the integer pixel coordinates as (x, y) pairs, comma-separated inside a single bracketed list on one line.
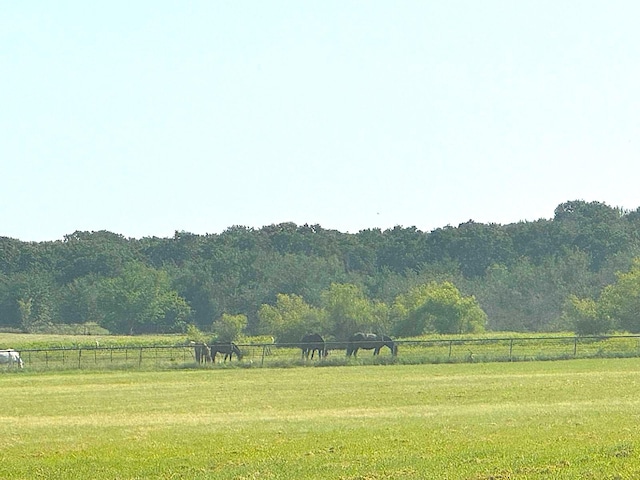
[(25, 341), (528, 420)]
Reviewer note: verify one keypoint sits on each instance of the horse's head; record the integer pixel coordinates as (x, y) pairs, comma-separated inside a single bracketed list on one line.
[(237, 351), (391, 344)]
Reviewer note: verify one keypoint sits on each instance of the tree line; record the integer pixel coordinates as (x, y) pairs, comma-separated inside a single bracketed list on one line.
[(576, 271)]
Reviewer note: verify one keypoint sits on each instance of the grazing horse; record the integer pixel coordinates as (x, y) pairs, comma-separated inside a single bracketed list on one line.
[(312, 343), (227, 348), (11, 357), (370, 341)]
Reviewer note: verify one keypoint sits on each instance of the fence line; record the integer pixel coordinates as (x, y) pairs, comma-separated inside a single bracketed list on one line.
[(410, 351)]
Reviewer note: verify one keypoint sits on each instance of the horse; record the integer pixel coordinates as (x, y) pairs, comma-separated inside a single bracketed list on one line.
[(227, 348), (312, 343), (11, 357), (202, 353), (370, 341)]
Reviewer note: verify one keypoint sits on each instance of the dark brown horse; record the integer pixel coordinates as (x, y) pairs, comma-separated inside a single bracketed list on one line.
[(228, 349), (312, 343), (370, 341)]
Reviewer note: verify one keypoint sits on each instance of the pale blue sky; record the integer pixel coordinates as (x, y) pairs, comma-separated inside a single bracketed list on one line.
[(147, 117)]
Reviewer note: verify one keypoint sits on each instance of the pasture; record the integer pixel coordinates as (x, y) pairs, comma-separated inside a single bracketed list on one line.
[(523, 420)]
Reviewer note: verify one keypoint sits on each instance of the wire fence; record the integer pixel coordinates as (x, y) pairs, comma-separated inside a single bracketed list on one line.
[(451, 350)]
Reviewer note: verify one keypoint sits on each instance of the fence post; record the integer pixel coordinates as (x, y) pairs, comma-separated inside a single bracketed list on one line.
[(575, 345), (511, 350), (79, 356), (140, 359), (450, 346)]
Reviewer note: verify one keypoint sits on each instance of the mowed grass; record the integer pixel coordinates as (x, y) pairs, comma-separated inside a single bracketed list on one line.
[(572, 419)]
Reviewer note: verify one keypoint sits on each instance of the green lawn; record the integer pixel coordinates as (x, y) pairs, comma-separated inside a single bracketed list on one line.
[(572, 419)]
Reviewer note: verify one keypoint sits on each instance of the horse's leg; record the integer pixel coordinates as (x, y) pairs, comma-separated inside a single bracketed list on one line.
[(352, 350)]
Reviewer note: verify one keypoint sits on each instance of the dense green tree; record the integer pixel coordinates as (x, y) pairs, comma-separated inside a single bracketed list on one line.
[(349, 311), (521, 274), (437, 307), (530, 297), (298, 274), (141, 300), (28, 301), (196, 283), (621, 300), (402, 249), (11, 251), (586, 316), (99, 253), (228, 328), (79, 301), (535, 240), (291, 318), (477, 246), (181, 248), (592, 227)]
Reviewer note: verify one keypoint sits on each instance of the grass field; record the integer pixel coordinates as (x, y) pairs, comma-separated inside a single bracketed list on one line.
[(571, 419)]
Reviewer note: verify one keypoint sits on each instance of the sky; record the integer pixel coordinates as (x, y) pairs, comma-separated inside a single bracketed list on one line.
[(150, 117)]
